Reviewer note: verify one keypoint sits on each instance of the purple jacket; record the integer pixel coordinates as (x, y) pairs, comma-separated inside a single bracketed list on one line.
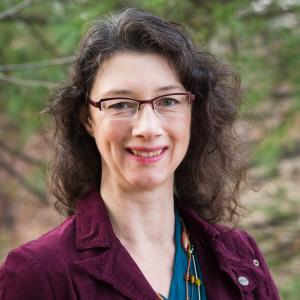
[(83, 259)]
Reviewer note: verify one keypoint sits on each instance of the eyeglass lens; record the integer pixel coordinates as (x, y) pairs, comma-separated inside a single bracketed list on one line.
[(166, 105)]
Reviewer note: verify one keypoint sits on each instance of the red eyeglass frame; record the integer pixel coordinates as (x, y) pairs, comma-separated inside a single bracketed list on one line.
[(97, 104)]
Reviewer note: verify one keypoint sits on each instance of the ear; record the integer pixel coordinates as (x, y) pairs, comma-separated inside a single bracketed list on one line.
[(85, 119)]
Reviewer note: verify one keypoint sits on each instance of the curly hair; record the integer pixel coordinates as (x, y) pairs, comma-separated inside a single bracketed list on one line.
[(209, 177)]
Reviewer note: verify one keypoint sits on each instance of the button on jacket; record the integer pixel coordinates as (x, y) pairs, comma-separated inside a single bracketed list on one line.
[(83, 259)]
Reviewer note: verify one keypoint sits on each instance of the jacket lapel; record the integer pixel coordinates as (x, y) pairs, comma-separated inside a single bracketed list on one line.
[(220, 265), (111, 266), (103, 256), (201, 235)]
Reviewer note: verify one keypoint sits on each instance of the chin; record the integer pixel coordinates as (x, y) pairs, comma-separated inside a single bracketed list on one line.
[(147, 183)]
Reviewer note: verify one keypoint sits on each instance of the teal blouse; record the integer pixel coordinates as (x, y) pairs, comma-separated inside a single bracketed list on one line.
[(178, 288)]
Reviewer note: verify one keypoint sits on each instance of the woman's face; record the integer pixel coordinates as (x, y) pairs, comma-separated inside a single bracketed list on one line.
[(141, 152)]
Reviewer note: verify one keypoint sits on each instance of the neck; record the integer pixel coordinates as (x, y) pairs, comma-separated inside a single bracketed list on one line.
[(141, 217)]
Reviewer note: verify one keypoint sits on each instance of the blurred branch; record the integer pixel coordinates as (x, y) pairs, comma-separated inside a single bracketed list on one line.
[(26, 82), (22, 156), (14, 10), (7, 218), (22, 181), (44, 42), (40, 20), (37, 65), (287, 248), (267, 14)]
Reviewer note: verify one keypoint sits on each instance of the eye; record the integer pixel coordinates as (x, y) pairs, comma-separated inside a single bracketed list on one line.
[(167, 102), (120, 105)]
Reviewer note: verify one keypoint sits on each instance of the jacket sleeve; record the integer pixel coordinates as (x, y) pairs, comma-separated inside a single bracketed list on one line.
[(272, 289), (22, 277)]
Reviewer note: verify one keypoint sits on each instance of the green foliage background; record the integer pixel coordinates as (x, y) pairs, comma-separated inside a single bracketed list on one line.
[(260, 38)]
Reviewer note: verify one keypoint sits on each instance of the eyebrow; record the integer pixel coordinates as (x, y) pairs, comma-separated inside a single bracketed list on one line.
[(124, 92), (170, 87)]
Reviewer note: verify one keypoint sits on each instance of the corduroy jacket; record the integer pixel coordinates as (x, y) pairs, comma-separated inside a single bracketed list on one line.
[(83, 259)]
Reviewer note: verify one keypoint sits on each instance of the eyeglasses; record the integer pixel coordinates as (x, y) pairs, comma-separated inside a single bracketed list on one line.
[(166, 105)]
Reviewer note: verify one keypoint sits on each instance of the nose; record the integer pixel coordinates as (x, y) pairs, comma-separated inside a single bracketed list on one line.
[(146, 123)]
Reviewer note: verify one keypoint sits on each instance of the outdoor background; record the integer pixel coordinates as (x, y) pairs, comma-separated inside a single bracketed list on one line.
[(261, 39)]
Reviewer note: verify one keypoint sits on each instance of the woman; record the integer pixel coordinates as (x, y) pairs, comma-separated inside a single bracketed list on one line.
[(146, 165)]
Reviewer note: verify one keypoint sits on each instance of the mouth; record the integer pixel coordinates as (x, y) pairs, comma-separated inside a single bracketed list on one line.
[(147, 153)]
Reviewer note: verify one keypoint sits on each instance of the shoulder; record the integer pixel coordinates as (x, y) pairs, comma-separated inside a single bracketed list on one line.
[(237, 241), (22, 277), (53, 244), (25, 272), (238, 250)]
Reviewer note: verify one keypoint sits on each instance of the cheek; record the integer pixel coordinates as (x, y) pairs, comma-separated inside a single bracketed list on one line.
[(182, 132), (109, 137), (184, 138)]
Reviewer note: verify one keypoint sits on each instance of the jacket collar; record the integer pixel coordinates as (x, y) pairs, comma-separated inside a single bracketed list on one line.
[(192, 220), (110, 260), (93, 226), (94, 229)]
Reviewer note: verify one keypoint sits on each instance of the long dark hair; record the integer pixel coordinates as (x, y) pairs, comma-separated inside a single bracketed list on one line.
[(210, 176)]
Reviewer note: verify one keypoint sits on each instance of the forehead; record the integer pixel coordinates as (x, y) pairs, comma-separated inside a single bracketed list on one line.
[(137, 73)]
